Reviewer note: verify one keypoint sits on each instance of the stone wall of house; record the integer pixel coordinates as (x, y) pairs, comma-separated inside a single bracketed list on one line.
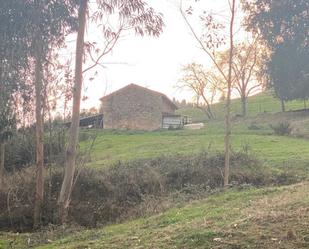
[(133, 108), (167, 107)]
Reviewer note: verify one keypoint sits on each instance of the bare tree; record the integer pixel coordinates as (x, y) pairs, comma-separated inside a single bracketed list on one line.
[(205, 85), (209, 42), (133, 14), (248, 76)]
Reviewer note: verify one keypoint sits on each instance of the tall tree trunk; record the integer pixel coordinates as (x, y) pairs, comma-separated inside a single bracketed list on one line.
[(244, 106), (39, 194), (2, 169), (67, 184), (228, 101), (282, 105)]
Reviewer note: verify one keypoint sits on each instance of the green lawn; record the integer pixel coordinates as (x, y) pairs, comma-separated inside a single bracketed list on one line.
[(276, 150)]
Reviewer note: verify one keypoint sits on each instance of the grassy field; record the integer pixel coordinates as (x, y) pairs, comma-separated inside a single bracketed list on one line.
[(272, 217), (113, 146), (278, 151)]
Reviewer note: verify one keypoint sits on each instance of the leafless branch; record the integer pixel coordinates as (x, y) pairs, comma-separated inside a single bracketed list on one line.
[(203, 47), (109, 46)]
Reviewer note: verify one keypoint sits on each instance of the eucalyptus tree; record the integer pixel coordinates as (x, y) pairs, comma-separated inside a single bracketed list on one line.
[(129, 15), (44, 25), (13, 60)]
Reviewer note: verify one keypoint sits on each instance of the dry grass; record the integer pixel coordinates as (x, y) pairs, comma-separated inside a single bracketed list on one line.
[(280, 221), (269, 218)]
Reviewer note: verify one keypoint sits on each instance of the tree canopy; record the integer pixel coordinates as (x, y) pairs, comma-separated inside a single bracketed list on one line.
[(279, 21), (284, 27)]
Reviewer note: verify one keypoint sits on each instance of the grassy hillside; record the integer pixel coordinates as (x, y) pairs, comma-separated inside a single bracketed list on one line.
[(124, 146), (247, 218), (242, 217), (260, 103), (112, 146)]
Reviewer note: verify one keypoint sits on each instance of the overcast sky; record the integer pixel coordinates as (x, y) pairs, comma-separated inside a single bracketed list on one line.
[(152, 62)]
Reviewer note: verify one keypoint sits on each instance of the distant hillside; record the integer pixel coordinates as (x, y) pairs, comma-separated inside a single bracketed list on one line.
[(260, 103)]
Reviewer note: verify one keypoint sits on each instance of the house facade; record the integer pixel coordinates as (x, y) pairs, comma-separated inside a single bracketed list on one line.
[(136, 108)]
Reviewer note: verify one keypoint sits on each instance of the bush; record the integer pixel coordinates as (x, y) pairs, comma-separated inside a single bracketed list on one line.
[(20, 150), (254, 126), (127, 190), (281, 129)]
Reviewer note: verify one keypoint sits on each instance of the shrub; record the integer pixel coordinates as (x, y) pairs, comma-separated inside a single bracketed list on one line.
[(127, 190), (254, 126), (20, 149), (281, 129)]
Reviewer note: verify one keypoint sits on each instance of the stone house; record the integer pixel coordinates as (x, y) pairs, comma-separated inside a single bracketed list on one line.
[(136, 108)]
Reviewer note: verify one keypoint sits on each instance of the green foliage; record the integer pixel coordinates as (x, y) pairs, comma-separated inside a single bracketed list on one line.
[(47, 23), (266, 17), (13, 60), (288, 64), (289, 72), (20, 150)]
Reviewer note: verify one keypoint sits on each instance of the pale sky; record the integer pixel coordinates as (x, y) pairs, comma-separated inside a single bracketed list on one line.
[(152, 62)]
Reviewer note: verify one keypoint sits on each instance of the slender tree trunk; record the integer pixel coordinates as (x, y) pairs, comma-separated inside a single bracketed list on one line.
[(67, 184), (210, 112), (39, 194), (2, 169), (211, 115), (244, 106), (208, 108), (282, 105), (228, 101)]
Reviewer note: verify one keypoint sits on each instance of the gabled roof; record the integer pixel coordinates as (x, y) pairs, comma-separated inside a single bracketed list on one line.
[(140, 87)]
